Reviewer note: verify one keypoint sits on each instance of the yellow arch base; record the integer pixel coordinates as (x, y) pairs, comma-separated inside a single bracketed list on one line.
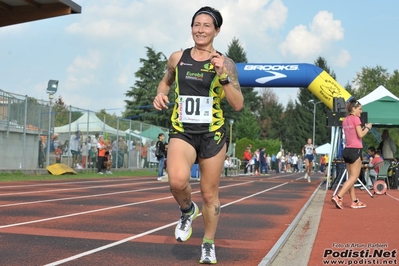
[(60, 169)]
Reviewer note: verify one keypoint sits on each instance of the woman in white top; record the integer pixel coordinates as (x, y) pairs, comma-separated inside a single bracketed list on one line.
[(307, 152)]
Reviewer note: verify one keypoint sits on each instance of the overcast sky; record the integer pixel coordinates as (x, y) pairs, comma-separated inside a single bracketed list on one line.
[(95, 54)]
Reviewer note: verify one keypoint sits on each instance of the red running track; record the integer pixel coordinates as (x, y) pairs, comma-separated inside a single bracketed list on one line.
[(368, 236), (131, 220)]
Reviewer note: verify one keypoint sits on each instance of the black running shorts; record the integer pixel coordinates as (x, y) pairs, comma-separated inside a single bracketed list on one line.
[(207, 144), (350, 155)]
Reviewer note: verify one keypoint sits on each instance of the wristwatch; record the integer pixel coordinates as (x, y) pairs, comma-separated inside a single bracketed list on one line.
[(224, 79)]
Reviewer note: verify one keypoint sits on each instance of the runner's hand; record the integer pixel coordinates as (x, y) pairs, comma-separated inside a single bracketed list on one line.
[(161, 101)]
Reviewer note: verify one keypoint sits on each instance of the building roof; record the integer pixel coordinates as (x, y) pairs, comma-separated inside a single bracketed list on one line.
[(21, 11)]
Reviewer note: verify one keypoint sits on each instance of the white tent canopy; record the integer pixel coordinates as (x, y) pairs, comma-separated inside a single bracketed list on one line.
[(376, 94), (132, 133), (323, 149), (88, 122)]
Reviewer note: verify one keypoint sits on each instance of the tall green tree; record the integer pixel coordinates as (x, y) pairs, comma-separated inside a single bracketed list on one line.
[(270, 114), (247, 125), (289, 137), (369, 78), (139, 106), (61, 111), (238, 55), (393, 83)]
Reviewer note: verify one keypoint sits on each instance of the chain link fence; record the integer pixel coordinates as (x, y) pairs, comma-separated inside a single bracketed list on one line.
[(37, 133)]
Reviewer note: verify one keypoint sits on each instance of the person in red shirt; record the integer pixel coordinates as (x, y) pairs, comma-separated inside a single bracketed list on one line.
[(247, 159), (352, 154), (375, 159), (57, 153)]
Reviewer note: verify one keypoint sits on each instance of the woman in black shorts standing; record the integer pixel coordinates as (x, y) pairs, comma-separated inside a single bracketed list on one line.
[(352, 154)]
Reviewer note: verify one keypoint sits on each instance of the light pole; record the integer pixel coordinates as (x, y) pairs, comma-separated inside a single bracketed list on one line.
[(314, 118), (51, 90), (231, 121)]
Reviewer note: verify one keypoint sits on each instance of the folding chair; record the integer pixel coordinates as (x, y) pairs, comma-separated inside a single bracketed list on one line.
[(383, 171)]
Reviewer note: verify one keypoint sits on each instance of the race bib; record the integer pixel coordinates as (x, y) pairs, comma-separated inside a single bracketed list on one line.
[(195, 109)]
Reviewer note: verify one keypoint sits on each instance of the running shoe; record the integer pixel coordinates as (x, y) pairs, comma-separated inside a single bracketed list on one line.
[(309, 178), (337, 201), (358, 205), (183, 228), (208, 255), (100, 173), (306, 176), (159, 178)]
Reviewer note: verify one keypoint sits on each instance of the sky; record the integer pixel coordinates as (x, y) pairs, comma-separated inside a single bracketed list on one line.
[(94, 55)]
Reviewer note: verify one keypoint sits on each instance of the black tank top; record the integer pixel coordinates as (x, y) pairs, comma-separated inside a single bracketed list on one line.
[(197, 96)]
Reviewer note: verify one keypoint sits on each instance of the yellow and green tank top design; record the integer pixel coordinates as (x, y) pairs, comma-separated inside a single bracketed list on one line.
[(197, 79)]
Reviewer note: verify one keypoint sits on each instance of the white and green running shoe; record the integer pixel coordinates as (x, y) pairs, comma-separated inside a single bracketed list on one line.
[(183, 228), (208, 254)]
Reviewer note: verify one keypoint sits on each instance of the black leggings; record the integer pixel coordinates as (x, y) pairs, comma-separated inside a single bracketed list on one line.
[(100, 163)]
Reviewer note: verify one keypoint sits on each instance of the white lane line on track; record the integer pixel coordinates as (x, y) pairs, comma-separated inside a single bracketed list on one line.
[(68, 182), (67, 189), (122, 241), (80, 197), (392, 197), (102, 209)]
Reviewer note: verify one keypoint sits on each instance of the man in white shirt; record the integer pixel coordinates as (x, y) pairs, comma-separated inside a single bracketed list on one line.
[(295, 162)]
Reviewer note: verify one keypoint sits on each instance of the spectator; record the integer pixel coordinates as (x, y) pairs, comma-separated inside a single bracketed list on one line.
[(387, 146), (375, 159), (65, 148), (295, 163), (269, 162), (102, 148), (263, 162), (122, 148), (322, 163), (58, 153), (144, 153), (75, 147), (247, 158), (300, 163), (41, 157), (256, 159), (84, 154), (160, 154), (227, 165)]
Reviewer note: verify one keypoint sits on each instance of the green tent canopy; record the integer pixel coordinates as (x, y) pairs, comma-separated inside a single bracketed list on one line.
[(152, 133), (382, 108)]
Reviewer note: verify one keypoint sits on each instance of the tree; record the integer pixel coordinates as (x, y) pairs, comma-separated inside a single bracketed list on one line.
[(393, 83), (270, 113), (61, 111), (290, 139), (247, 126), (144, 90), (368, 79), (251, 100)]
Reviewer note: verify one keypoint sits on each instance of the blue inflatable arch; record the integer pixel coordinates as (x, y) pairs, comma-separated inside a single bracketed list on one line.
[(318, 81)]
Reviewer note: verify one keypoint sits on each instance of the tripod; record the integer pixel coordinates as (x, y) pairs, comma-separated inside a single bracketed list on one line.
[(345, 174)]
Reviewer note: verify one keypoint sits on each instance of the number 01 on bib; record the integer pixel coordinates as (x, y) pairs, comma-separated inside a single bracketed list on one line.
[(195, 109)]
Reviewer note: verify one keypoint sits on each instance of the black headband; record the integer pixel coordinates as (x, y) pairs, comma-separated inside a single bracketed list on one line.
[(208, 13)]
